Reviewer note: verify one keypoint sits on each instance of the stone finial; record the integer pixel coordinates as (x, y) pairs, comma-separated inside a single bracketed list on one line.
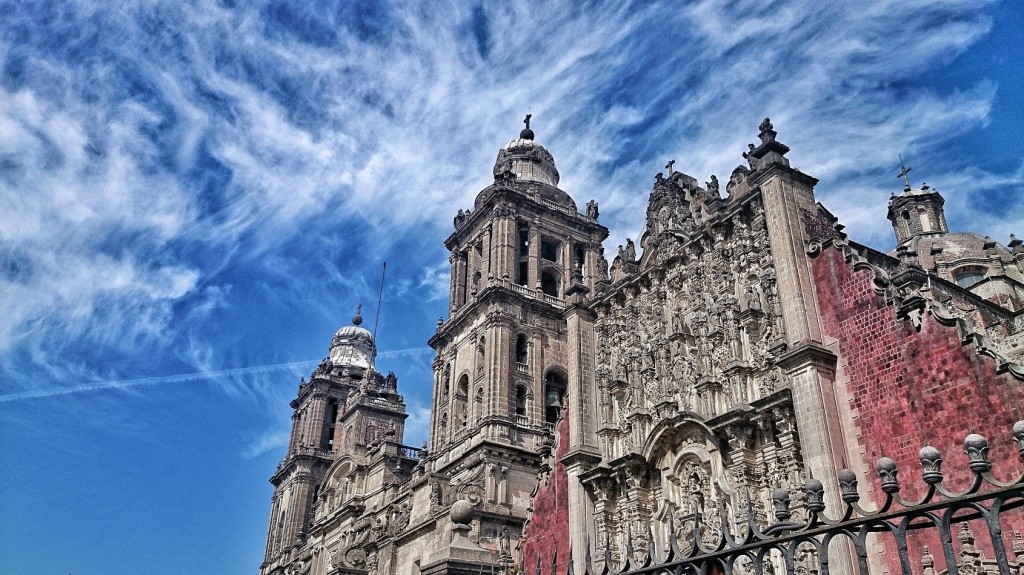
[(766, 132), (965, 535), (358, 318), (927, 561), (462, 512), (887, 472), (976, 447), (931, 464)]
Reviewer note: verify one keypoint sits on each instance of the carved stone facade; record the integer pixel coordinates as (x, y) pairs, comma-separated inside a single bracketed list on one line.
[(577, 404)]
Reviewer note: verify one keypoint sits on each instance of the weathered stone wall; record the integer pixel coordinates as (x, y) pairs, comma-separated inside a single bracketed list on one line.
[(908, 388)]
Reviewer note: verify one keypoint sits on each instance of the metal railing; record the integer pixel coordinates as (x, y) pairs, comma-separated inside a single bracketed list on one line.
[(756, 549)]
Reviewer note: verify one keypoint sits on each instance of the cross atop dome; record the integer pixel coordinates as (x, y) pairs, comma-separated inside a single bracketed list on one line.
[(527, 133)]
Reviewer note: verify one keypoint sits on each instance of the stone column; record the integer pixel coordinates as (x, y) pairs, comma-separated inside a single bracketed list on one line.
[(315, 418), (503, 247), (534, 262), (458, 259), (293, 439), (581, 403), (298, 506), (487, 269)]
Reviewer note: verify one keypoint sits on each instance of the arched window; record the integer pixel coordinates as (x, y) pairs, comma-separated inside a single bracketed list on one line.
[(549, 249), (446, 384), (522, 346), (550, 283), (967, 277), (461, 398), (481, 356), (521, 396), (926, 221), (555, 384)]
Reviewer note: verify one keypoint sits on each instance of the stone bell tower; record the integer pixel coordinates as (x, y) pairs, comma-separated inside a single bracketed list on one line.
[(502, 366), (345, 410)]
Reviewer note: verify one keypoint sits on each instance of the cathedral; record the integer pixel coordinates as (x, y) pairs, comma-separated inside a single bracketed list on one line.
[(741, 344)]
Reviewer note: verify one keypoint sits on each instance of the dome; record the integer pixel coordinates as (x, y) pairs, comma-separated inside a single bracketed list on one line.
[(955, 249), (353, 345), (527, 159), (530, 163)]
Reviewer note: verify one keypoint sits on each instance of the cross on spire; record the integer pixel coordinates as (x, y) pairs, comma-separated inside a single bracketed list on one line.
[(904, 170), (527, 121), (669, 165)]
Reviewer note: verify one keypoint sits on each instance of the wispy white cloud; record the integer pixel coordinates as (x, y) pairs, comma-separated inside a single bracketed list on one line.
[(157, 156), (266, 442), (161, 380)]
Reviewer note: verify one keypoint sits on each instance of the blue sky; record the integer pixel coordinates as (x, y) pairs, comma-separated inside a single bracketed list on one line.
[(195, 195)]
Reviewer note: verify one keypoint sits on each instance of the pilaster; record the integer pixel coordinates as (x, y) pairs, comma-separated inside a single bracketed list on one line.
[(787, 194)]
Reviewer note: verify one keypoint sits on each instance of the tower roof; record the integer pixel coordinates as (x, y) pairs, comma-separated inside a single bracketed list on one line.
[(353, 345), (527, 159)]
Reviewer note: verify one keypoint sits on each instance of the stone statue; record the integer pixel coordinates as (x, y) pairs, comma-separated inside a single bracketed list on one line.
[(713, 187), (505, 542), (753, 297), (630, 251), (592, 209), (460, 218)]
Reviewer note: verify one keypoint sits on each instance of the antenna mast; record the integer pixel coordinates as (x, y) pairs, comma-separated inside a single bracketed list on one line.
[(380, 295)]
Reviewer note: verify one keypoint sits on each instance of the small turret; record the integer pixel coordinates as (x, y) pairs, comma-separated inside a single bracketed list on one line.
[(916, 213)]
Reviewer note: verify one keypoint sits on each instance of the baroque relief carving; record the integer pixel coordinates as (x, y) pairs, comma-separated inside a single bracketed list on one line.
[(690, 338), (698, 330)]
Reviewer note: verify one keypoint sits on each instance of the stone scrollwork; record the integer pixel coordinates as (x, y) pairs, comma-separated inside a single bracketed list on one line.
[(692, 336), (470, 485)]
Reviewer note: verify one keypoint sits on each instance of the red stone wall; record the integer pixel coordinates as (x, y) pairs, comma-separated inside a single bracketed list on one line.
[(547, 531), (912, 388)]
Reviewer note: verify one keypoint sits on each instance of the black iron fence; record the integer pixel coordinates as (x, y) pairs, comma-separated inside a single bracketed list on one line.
[(820, 544)]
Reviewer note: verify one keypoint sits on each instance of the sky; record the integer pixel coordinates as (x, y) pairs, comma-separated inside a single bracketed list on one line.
[(194, 195)]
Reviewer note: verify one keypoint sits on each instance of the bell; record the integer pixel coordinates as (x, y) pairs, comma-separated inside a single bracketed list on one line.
[(554, 399)]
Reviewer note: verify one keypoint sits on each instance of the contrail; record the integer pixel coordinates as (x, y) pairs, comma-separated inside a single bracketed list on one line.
[(181, 377)]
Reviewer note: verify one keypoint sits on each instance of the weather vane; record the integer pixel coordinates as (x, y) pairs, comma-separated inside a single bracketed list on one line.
[(904, 170)]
